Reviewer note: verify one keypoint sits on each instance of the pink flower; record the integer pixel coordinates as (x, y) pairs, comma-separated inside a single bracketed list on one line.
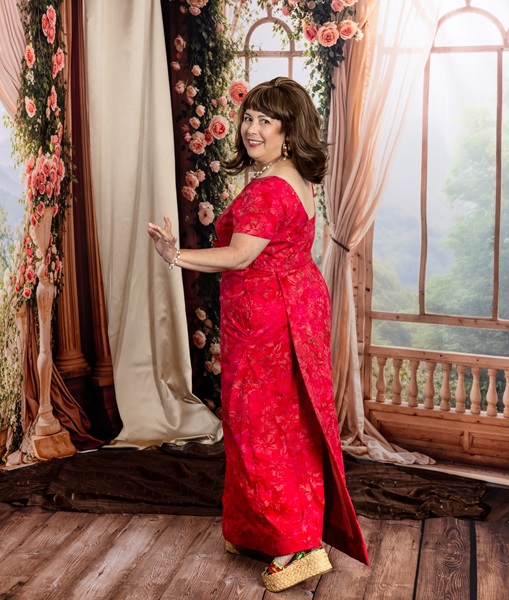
[(51, 34), (180, 87), (27, 293), (200, 175), (187, 137), (180, 43), (196, 71), (188, 193), (191, 91), (197, 145), (195, 123), (30, 56), (219, 27), (215, 165), (52, 15), (59, 58), (349, 2), (30, 107), (30, 274), (214, 102), (199, 339), (205, 213), (225, 195), (219, 127), (192, 180), (223, 101), (347, 29), (175, 65), (197, 3), (194, 11), (52, 100), (310, 31), (54, 70), (45, 24), (208, 137), (55, 209), (286, 10), (215, 349), (208, 366), (337, 6), (237, 91), (200, 110), (201, 314), (327, 35)]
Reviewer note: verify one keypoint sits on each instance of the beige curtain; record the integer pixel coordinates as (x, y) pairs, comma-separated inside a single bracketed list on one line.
[(12, 48), (367, 112), (133, 175)]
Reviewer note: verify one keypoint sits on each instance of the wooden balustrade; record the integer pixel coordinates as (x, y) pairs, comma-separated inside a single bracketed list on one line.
[(451, 406), (426, 366)]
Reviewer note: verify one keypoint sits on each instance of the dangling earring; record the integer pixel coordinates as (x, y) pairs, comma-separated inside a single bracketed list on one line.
[(286, 149)]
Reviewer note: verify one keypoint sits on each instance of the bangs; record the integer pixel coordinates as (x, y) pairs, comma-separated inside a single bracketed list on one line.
[(268, 100)]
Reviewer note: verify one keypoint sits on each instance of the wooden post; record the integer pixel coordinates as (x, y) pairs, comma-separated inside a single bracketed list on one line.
[(491, 396), (445, 390), (475, 393), (380, 380), (460, 394), (505, 399), (413, 389), (396, 382), (429, 388), (50, 440)]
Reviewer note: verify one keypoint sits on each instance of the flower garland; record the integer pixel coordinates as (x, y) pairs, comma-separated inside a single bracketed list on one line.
[(41, 145), (209, 101), (326, 25)]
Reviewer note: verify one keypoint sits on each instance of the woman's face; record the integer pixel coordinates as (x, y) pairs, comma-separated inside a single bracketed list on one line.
[(262, 136)]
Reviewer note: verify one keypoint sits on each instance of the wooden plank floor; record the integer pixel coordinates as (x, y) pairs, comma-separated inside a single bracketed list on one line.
[(83, 556)]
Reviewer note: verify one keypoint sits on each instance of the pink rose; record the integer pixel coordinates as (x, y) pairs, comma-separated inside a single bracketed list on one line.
[(310, 31), (45, 24), (197, 3), (27, 293), (201, 314), (191, 91), (59, 58), (200, 175), (337, 6), (349, 2), (55, 209), (200, 110), (327, 35), (30, 107), (208, 137), (205, 213), (180, 87), (347, 29), (223, 101), (237, 91), (216, 367), (54, 70), (180, 43), (225, 195), (215, 165), (196, 71), (192, 180), (188, 193), (189, 100), (194, 11), (195, 123), (199, 339), (52, 15), (182, 9), (175, 65), (51, 34), (187, 137), (208, 366), (215, 349), (197, 145), (214, 102), (30, 56), (219, 127)]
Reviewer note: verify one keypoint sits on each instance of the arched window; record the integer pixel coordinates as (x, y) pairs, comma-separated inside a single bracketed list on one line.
[(441, 241)]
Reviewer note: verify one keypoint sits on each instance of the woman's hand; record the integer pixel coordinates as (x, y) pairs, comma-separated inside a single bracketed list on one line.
[(164, 240)]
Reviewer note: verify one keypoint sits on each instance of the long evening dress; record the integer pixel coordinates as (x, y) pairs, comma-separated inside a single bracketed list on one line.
[(285, 487)]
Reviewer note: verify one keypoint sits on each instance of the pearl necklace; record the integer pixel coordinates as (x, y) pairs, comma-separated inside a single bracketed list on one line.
[(263, 169)]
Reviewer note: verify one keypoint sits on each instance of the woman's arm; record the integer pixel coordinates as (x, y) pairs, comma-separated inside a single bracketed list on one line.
[(241, 252)]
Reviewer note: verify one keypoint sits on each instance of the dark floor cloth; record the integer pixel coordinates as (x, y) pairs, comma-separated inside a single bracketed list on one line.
[(188, 480)]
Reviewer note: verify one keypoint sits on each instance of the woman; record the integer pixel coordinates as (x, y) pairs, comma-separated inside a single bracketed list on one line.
[(285, 488)]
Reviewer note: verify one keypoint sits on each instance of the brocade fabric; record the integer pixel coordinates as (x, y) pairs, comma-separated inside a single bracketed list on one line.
[(285, 486)]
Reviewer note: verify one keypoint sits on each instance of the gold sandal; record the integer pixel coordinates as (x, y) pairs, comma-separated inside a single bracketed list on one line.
[(303, 565)]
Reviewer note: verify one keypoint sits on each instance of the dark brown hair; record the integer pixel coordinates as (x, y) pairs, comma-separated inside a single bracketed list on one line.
[(287, 101)]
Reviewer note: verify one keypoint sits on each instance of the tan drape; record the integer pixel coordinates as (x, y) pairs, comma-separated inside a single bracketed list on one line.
[(12, 47), (133, 174), (367, 110)]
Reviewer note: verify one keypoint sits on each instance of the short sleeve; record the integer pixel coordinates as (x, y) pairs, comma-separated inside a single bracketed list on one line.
[(259, 210)]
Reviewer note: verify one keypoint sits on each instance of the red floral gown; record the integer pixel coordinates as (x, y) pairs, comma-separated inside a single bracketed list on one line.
[(285, 487)]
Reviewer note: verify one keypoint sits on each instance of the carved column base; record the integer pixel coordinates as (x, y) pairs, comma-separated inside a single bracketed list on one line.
[(53, 446)]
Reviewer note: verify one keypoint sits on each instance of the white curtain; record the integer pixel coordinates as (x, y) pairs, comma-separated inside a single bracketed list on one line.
[(12, 48), (133, 172), (367, 112)]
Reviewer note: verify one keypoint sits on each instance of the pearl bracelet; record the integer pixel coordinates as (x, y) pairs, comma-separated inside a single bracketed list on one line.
[(174, 262)]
